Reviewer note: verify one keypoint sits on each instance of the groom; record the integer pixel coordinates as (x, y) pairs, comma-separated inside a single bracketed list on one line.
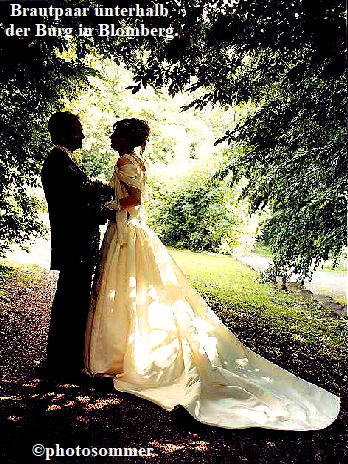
[(75, 210)]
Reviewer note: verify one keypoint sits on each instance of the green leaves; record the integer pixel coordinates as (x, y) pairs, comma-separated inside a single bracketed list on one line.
[(34, 80), (285, 61), (200, 213)]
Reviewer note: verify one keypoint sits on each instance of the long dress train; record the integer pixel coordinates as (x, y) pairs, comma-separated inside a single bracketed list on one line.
[(151, 330)]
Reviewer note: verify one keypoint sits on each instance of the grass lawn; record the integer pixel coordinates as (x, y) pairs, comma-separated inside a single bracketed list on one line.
[(26, 274), (248, 306), (5, 271), (295, 334)]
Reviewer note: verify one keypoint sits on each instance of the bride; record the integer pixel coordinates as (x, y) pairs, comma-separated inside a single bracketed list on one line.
[(156, 336)]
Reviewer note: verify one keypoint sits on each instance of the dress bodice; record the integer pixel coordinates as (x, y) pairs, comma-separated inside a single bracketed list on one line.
[(132, 174)]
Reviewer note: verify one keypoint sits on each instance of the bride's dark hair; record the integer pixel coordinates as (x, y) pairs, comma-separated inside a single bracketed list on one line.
[(135, 130)]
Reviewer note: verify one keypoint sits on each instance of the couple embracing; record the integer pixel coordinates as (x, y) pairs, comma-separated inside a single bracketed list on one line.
[(141, 323)]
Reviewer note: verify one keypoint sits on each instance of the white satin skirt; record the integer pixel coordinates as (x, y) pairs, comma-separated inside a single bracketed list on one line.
[(150, 329)]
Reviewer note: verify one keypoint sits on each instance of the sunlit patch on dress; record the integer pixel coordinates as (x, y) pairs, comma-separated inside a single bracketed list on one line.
[(173, 349)]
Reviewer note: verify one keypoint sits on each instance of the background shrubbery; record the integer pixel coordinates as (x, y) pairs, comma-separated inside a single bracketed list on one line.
[(201, 213)]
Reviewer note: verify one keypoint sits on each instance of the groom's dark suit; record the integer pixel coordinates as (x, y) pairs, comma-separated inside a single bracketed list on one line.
[(75, 211)]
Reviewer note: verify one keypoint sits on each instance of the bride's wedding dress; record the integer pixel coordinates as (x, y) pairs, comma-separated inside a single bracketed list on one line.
[(151, 330)]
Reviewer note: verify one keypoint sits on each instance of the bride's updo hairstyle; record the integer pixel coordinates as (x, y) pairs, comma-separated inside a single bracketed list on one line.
[(135, 130)]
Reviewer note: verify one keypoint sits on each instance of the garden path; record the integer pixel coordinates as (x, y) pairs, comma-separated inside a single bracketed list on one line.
[(327, 287)]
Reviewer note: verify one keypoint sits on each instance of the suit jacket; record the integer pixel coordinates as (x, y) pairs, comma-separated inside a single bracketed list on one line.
[(75, 211)]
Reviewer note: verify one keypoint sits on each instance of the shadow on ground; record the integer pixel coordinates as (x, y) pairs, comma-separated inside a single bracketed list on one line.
[(72, 415)]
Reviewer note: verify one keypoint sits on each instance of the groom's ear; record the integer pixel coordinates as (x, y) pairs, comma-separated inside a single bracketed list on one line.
[(57, 137), (62, 136)]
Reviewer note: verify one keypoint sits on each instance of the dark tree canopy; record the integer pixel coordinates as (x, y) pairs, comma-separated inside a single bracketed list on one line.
[(33, 81), (286, 59)]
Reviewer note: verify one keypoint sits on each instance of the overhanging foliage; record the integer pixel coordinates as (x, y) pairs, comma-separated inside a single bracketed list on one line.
[(288, 59)]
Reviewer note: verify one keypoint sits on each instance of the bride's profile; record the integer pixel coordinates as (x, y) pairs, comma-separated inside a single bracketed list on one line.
[(158, 339)]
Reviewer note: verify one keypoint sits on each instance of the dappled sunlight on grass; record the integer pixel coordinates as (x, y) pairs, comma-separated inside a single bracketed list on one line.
[(239, 298), (169, 448), (54, 407), (69, 413), (102, 403), (13, 418), (86, 402), (58, 397)]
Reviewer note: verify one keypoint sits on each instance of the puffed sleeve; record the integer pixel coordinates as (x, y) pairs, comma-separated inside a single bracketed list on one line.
[(128, 174)]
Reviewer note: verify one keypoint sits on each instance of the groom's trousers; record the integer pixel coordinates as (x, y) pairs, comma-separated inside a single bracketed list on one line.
[(68, 321)]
